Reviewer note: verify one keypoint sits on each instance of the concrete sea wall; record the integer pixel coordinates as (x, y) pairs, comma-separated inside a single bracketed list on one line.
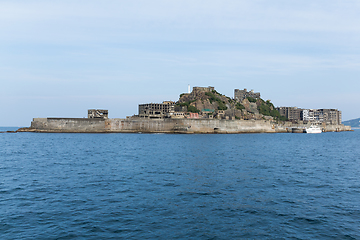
[(68, 125), (189, 126), (133, 125)]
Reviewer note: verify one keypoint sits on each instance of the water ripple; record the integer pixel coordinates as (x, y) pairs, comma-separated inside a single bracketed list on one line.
[(151, 186)]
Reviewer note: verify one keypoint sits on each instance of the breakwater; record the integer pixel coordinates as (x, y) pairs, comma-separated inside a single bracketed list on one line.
[(167, 125)]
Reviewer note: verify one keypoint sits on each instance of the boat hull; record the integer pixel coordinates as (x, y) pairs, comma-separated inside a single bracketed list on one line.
[(313, 130)]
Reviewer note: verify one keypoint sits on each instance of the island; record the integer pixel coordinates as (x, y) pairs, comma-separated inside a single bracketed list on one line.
[(203, 110)]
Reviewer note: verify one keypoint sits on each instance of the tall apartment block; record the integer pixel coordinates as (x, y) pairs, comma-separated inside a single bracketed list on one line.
[(329, 116), (291, 113)]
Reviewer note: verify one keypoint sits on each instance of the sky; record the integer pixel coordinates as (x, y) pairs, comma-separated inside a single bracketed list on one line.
[(60, 58)]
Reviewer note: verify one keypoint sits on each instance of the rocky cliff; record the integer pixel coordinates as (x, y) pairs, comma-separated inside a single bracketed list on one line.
[(250, 108)]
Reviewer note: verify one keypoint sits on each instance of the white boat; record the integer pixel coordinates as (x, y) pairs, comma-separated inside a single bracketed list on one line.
[(313, 129)]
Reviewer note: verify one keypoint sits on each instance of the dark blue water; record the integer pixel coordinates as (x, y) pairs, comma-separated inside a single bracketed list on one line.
[(163, 186)]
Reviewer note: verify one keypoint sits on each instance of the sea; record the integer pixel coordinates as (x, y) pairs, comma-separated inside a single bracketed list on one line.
[(179, 186)]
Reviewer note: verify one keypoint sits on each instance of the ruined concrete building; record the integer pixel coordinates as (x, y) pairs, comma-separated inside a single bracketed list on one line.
[(203, 89), (156, 110), (98, 113), (291, 113), (240, 95), (328, 116)]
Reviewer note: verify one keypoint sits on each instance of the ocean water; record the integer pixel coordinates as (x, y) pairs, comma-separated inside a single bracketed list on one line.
[(175, 186)]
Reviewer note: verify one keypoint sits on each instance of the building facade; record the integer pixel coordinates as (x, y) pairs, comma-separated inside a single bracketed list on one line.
[(312, 115), (156, 110), (291, 113), (203, 89), (328, 116)]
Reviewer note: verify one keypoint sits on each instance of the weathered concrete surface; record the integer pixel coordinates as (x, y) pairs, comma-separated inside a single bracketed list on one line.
[(336, 128), (189, 126), (86, 125), (66, 125)]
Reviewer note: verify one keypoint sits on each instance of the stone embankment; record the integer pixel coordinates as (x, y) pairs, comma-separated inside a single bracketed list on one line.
[(136, 125)]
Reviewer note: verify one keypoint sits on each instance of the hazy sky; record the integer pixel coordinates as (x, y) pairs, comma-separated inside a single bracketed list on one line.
[(60, 58)]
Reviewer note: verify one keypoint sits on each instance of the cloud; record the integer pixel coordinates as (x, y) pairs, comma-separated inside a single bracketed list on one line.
[(182, 20), (117, 47)]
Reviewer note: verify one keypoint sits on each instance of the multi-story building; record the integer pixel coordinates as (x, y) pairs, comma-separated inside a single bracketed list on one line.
[(240, 95), (291, 113), (329, 116), (312, 115), (156, 110)]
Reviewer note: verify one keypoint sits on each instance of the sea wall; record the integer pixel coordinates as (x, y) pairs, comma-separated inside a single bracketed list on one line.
[(336, 128), (68, 125), (133, 125), (149, 125), (189, 126)]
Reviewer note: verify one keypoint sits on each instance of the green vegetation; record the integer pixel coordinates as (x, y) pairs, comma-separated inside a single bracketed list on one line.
[(185, 103), (264, 109), (268, 109), (216, 92), (251, 99), (229, 99), (193, 109), (239, 106), (189, 107), (222, 106), (275, 114), (282, 118), (214, 98)]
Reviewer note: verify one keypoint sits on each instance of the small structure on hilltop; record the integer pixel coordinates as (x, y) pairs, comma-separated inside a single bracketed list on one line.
[(98, 113), (240, 95), (203, 89)]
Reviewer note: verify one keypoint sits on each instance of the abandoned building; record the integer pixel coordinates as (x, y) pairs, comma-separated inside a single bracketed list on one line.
[(169, 109), (177, 114), (98, 113), (203, 89), (329, 116), (156, 110), (240, 95), (207, 111), (291, 113)]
